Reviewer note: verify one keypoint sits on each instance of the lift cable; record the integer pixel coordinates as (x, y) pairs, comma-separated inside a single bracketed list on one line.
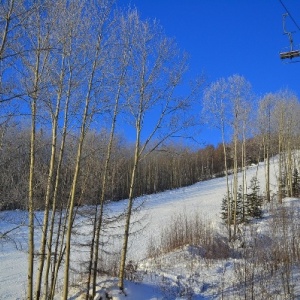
[(289, 15)]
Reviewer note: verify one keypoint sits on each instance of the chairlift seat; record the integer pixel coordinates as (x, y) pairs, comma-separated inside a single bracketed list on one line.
[(290, 54)]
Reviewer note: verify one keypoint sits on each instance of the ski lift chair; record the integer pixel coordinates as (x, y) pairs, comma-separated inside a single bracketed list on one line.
[(291, 53)]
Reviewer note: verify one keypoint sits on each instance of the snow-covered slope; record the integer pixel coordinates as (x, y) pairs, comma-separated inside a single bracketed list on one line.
[(204, 198)]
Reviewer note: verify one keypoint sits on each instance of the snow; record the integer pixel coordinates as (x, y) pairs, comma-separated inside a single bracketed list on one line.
[(160, 279)]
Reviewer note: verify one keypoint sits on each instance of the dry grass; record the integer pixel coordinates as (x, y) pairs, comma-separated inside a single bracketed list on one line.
[(183, 230)]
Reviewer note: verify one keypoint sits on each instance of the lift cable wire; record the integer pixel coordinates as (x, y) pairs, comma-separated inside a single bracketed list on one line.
[(289, 15)]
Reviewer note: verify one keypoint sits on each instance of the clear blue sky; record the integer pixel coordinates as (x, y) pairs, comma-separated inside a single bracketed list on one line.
[(226, 37)]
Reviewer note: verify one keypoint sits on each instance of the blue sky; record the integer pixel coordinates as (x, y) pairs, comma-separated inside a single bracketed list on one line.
[(226, 37)]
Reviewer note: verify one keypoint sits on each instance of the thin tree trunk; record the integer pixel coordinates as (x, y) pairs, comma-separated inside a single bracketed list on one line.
[(244, 188), (46, 215), (49, 185), (31, 176), (104, 186), (58, 255), (129, 210), (76, 174), (244, 166), (268, 158), (280, 161), (227, 184), (235, 187), (56, 185), (31, 203), (290, 167), (267, 168)]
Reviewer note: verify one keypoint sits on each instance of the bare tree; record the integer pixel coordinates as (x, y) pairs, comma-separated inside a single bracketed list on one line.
[(119, 60), (68, 81), (266, 107), (34, 68), (214, 112), (285, 124), (96, 54), (156, 70), (225, 106), (63, 62), (239, 94)]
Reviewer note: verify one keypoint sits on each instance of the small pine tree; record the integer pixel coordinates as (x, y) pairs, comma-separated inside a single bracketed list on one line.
[(254, 200), (224, 209), (296, 187)]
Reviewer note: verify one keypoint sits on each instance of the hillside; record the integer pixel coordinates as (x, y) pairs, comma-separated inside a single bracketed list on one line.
[(203, 198)]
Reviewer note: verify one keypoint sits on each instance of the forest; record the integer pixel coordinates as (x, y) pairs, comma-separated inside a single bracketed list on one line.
[(76, 78)]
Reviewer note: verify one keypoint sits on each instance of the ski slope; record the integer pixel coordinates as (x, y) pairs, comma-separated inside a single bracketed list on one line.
[(203, 198)]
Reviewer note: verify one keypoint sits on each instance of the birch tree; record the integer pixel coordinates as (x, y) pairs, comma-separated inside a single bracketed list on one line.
[(239, 94), (95, 53), (286, 125), (35, 66), (61, 86), (225, 106), (215, 106), (120, 52), (156, 70), (266, 107)]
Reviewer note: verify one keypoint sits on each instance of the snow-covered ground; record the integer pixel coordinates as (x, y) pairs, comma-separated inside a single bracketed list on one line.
[(203, 198)]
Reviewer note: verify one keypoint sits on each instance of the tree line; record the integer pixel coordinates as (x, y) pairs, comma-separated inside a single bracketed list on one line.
[(172, 166)]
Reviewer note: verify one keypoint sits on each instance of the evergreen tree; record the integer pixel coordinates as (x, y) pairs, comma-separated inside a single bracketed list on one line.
[(224, 209), (254, 200), (248, 207), (240, 208), (296, 183)]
